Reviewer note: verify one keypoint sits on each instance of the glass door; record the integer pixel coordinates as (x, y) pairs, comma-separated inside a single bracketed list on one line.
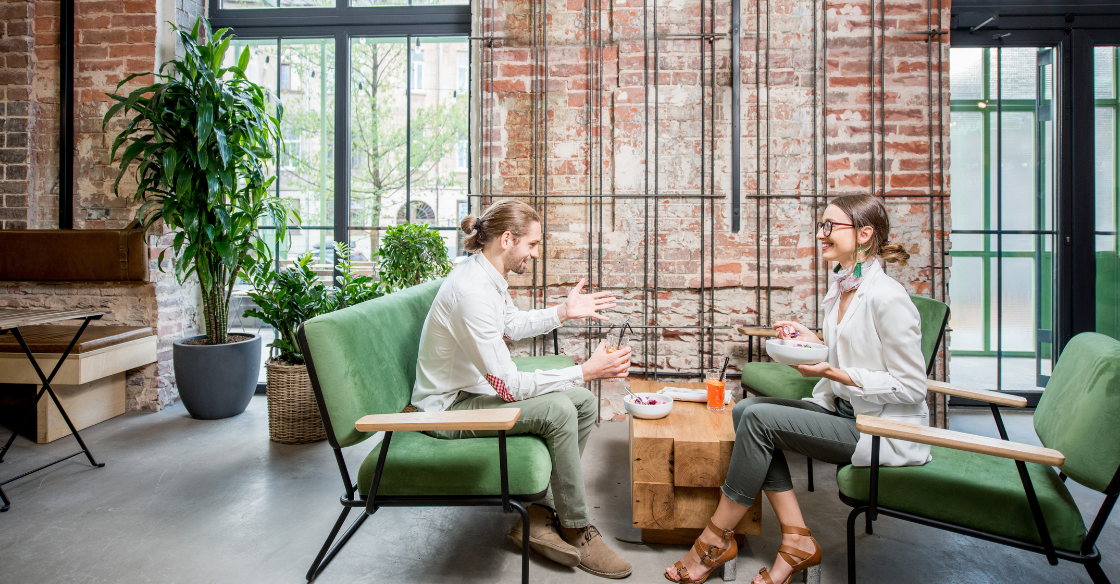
[(1002, 135)]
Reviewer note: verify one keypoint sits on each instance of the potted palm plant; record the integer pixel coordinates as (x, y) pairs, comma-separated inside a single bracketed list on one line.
[(285, 299), (197, 142)]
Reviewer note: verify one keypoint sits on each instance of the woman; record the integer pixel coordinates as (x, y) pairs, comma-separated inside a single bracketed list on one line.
[(875, 367)]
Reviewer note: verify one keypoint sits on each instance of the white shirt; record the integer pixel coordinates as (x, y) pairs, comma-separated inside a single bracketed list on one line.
[(462, 345), (878, 344)]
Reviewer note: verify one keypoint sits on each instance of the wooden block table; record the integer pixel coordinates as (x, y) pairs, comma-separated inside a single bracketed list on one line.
[(677, 465)]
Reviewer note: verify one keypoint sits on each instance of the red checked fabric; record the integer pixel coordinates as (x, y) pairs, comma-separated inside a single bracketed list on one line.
[(500, 387)]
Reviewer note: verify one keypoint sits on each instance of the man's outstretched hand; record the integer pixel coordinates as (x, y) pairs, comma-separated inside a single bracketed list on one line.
[(585, 305)]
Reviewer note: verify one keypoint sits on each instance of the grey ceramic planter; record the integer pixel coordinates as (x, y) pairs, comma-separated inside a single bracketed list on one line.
[(217, 381)]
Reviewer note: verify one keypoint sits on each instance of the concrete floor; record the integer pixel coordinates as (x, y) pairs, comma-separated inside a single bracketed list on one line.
[(183, 500)]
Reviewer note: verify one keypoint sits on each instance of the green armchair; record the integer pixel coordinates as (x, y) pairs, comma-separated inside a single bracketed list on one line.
[(362, 364), (778, 380), (1002, 491)]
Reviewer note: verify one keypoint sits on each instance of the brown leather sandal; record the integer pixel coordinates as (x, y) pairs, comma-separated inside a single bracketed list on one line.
[(797, 559), (710, 555)]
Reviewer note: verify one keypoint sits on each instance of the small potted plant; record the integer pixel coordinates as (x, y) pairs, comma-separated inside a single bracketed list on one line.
[(411, 253), (285, 299), (199, 139)]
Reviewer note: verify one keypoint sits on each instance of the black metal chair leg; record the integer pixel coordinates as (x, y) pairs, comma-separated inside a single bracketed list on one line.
[(809, 469), (524, 540), (4, 498), (321, 561), (1096, 573), (852, 543)]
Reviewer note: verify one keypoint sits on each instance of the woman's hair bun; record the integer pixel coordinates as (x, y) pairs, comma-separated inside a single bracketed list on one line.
[(468, 224)]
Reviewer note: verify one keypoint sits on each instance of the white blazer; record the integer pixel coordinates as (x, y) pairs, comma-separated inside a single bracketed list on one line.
[(879, 345)]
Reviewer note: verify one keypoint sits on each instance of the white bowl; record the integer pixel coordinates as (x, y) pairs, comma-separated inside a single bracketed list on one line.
[(648, 412), (795, 352)]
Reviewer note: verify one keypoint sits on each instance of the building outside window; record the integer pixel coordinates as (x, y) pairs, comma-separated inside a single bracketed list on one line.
[(462, 63), (417, 70)]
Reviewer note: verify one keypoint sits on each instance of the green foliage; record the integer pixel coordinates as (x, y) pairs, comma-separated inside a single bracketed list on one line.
[(200, 138), (410, 254), (289, 297)]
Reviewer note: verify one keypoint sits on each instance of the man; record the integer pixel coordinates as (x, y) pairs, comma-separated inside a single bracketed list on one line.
[(464, 364)]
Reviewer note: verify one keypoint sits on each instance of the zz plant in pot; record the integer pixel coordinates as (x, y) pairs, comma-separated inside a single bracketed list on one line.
[(285, 299), (197, 144)]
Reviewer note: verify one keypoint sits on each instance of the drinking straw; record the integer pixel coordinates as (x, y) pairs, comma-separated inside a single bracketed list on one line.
[(723, 371), (622, 331)]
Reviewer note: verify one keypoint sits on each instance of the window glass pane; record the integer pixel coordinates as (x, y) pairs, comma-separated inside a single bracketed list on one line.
[(439, 129), (1103, 67), (967, 315), (964, 74), (1017, 306), (1019, 72), (249, 4), (966, 135), (378, 133), (405, 2), (306, 176), (1018, 167), (1107, 195)]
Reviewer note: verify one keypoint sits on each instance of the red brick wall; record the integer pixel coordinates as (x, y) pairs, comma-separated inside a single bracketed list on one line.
[(16, 20), (113, 39), (616, 124)]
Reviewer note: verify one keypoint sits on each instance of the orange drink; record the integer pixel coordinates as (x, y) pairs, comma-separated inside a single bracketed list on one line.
[(715, 391)]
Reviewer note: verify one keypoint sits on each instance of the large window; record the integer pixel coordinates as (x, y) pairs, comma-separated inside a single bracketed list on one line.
[(375, 95), (400, 110), (1002, 135)]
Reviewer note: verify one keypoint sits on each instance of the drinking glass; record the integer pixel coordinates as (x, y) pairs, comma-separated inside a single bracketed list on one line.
[(716, 388)]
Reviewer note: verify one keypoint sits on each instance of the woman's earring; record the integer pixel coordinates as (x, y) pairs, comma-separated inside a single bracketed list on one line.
[(859, 267)]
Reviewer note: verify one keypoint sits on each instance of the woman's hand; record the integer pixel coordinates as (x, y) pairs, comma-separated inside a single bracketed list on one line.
[(825, 370), (802, 332)]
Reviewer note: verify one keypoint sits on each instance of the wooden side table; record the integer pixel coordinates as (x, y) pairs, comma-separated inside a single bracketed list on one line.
[(677, 465)]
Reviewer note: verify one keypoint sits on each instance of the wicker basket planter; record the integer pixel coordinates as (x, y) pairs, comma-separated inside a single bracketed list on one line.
[(293, 415)]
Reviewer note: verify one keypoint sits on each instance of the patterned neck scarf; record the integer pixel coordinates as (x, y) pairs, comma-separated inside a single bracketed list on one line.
[(846, 281)]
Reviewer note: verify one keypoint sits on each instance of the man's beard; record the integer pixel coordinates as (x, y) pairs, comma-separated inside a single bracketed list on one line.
[(520, 266)]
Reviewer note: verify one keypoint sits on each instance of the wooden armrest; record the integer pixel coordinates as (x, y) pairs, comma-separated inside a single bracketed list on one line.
[(983, 395), (758, 332), (958, 441), (492, 419)]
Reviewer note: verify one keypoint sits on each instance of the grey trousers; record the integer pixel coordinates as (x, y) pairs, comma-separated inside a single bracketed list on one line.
[(765, 426), (563, 419)]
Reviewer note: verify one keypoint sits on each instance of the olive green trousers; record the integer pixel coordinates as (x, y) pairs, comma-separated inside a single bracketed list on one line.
[(563, 419), (765, 426)]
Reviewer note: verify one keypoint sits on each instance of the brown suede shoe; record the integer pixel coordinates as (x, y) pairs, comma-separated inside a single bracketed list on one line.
[(544, 538), (595, 557)]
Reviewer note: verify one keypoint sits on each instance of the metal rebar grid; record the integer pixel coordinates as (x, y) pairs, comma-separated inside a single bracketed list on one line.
[(659, 192)]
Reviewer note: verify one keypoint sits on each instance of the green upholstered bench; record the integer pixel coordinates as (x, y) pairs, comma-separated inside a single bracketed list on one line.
[(362, 365), (999, 490)]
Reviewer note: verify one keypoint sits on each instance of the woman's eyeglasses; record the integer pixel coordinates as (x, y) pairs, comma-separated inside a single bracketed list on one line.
[(826, 227)]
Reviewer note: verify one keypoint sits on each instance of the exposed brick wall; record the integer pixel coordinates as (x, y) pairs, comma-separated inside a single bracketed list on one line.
[(16, 19), (113, 39), (752, 288)]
